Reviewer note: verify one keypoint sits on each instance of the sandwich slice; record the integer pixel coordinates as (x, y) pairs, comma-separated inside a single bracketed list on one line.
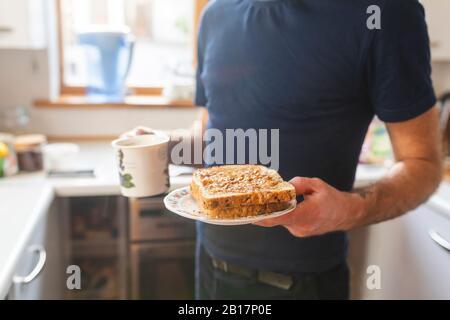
[(236, 191)]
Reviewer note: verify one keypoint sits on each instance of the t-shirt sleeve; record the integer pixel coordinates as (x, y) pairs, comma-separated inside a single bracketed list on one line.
[(200, 95), (399, 67)]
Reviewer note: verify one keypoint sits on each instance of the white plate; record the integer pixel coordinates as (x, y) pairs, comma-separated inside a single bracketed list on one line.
[(181, 202)]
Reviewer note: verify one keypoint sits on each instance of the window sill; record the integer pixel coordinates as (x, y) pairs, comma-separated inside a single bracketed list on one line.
[(132, 101)]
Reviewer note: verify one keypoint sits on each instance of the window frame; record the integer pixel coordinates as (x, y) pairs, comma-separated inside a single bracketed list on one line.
[(66, 90)]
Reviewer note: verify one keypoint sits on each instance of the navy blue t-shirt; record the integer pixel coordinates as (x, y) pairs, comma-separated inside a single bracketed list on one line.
[(314, 70)]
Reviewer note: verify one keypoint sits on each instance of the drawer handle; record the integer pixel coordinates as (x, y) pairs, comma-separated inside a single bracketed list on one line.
[(37, 269), (440, 240)]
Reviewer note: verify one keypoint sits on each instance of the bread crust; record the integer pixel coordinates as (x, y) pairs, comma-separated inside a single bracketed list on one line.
[(246, 211), (257, 200)]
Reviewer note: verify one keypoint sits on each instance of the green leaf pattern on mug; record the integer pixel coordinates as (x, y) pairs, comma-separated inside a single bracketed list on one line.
[(126, 180), (120, 156)]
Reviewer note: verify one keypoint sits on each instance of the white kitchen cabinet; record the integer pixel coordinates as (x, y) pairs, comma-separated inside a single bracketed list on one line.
[(40, 273), (23, 24), (437, 12), (412, 264)]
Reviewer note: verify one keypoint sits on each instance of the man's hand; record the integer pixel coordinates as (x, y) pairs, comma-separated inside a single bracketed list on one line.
[(195, 134), (137, 131), (323, 210)]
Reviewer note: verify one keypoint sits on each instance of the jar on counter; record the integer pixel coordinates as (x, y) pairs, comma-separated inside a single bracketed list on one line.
[(8, 158), (30, 153)]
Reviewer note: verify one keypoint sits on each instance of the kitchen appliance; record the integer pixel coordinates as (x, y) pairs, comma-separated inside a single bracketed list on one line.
[(109, 54), (161, 251)]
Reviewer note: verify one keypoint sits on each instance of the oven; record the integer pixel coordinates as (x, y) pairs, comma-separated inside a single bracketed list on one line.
[(161, 248)]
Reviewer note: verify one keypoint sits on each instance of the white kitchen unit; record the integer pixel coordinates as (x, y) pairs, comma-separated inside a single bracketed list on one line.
[(23, 24), (39, 273), (437, 12), (28, 199), (411, 252)]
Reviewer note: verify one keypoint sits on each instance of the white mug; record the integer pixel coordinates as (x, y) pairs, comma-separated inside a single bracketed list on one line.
[(143, 164)]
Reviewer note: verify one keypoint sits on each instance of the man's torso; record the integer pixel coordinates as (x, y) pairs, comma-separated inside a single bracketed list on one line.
[(297, 66)]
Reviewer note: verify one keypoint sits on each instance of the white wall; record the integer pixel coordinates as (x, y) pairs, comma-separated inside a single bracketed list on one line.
[(441, 77), (23, 76), (108, 122)]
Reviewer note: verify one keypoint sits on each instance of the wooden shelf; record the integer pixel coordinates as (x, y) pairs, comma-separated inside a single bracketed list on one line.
[(132, 101)]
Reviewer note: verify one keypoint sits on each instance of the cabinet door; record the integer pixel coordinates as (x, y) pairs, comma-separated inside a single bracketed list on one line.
[(39, 273), (412, 264), (27, 277), (95, 239), (22, 23), (52, 281), (13, 24), (438, 25)]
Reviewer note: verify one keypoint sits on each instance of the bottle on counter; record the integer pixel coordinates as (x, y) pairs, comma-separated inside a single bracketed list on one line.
[(8, 158), (29, 150), (377, 149)]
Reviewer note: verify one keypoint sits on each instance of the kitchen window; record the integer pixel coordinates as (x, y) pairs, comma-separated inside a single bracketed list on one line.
[(165, 38)]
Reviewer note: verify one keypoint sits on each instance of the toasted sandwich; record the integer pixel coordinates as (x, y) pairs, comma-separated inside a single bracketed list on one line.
[(237, 191)]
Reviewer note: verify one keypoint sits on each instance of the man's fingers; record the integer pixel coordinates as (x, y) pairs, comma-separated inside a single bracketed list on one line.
[(290, 218), (306, 185), (283, 220), (141, 130), (303, 186), (137, 131)]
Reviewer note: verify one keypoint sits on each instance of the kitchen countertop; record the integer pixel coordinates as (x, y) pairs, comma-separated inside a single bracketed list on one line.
[(24, 198)]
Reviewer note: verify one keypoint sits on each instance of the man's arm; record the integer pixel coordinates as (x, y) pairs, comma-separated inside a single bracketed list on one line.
[(414, 177)]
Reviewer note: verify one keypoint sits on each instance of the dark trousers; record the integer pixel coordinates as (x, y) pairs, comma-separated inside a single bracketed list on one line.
[(215, 284)]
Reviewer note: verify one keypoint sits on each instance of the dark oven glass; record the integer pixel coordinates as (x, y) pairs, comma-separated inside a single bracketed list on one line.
[(163, 270)]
